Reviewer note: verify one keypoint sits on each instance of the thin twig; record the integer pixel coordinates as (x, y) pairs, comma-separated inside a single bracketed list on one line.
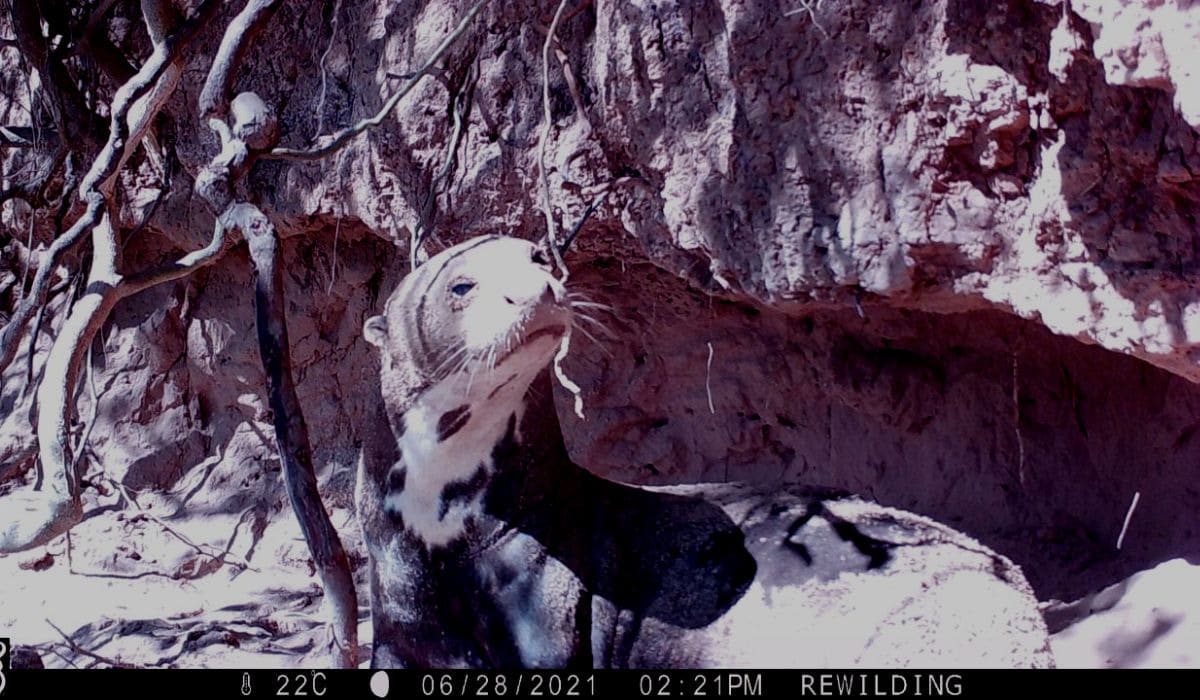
[(77, 454), (28, 255), (591, 209), (1016, 403), (572, 84), (336, 141), (811, 7), (337, 231), (223, 557), (75, 647)]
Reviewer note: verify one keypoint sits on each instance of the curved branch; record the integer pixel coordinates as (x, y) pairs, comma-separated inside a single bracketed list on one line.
[(33, 519), (214, 97), (185, 265), (131, 116), (105, 287), (338, 140), (253, 129), (10, 337)]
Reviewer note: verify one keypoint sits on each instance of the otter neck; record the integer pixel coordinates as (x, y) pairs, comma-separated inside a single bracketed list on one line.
[(448, 437)]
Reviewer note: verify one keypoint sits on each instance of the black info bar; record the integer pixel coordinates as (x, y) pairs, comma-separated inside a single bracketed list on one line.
[(753, 683)]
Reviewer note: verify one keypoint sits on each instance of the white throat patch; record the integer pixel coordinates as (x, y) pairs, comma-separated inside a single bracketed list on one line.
[(450, 433)]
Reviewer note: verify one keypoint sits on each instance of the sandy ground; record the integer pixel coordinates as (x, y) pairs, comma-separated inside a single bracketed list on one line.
[(240, 592), (130, 592)]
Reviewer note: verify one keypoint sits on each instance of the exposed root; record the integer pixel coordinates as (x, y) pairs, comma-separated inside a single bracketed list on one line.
[(562, 377)]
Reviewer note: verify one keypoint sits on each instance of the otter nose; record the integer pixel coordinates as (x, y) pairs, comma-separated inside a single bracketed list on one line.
[(548, 295)]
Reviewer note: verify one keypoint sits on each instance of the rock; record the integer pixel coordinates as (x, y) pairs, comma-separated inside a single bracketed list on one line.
[(1149, 620), (842, 582)]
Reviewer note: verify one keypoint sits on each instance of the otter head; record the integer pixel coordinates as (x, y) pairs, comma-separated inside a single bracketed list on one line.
[(484, 313), (460, 342)]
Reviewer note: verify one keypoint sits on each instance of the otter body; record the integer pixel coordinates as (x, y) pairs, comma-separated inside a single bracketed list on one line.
[(489, 547)]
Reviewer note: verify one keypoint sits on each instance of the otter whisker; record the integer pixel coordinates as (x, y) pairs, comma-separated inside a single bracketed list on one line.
[(451, 357), (591, 305), (576, 293), (589, 336), (597, 323), (456, 360), (471, 378), (468, 358)]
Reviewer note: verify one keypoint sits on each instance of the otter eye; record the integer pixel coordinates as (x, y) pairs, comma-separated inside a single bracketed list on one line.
[(539, 257), (462, 288)]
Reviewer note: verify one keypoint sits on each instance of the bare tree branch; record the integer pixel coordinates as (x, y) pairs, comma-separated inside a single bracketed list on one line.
[(572, 83), (251, 131), (35, 519), (336, 141), (110, 58), (586, 214), (185, 265), (11, 335), (291, 431), (122, 139), (104, 288), (131, 113), (70, 112), (94, 39)]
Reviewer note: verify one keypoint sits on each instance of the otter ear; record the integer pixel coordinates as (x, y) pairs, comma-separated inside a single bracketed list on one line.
[(375, 331)]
